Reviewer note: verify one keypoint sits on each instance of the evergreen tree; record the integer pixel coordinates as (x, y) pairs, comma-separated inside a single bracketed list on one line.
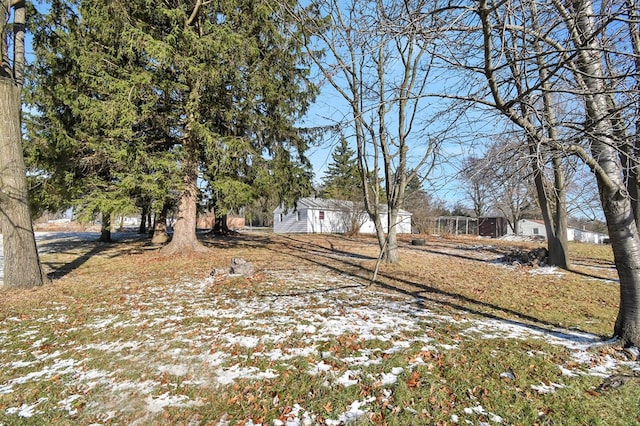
[(188, 89), (94, 143), (342, 180)]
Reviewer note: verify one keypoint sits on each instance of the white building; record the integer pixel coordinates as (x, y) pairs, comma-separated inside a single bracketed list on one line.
[(536, 228), (317, 215)]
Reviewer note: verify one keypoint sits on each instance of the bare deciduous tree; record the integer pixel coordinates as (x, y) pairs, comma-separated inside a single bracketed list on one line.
[(567, 57), (604, 133), (476, 184), (377, 60)]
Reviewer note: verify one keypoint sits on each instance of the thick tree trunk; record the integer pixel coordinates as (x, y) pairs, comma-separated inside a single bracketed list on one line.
[(614, 196), (105, 228), (21, 262), (142, 229), (555, 222), (634, 145), (160, 235), (626, 250), (184, 239), (220, 225)]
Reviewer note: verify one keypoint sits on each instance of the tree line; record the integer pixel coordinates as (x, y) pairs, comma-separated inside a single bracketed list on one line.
[(165, 106), (139, 109)]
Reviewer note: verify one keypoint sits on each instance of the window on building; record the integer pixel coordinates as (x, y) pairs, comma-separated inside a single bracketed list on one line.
[(535, 231), (297, 216), (321, 215), (281, 217)]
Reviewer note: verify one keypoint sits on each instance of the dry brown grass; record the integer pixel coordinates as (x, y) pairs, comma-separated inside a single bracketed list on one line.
[(458, 273), (130, 283)]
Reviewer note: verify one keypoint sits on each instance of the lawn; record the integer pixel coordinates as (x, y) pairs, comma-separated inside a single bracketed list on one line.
[(450, 335)]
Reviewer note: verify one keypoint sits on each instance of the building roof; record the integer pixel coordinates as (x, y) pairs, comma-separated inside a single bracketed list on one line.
[(312, 203)]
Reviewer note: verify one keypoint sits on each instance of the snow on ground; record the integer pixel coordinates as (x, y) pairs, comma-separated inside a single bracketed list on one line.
[(202, 351), (203, 336)]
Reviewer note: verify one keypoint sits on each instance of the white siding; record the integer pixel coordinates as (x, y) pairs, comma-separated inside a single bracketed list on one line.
[(403, 226), (584, 236), (336, 218), (531, 228), (331, 223), (290, 221)]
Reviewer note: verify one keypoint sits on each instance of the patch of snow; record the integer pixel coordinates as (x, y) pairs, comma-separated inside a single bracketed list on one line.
[(20, 364), (544, 388), (352, 414), (229, 375), (320, 367), (67, 404), (546, 270), (175, 369), (59, 367), (448, 347), (495, 418), (348, 378), (397, 371), (25, 410), (214, 359), (244, 341), (389, 379), (567, 372), (156, 404), (478, 409)]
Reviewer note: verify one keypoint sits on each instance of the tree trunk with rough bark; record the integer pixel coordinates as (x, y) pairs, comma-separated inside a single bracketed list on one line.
[(616, 202), (142, 229), (220, 226), (21, 262), (555, 221), (105, 228), (184, 239), (160, 235)]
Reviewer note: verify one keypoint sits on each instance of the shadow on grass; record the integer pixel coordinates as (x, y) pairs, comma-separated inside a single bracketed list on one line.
[(86, 249), (592, 276), (422, 293), (329, 255)]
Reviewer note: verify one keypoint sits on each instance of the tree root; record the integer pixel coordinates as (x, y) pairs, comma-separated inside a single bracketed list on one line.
[(183, 249)]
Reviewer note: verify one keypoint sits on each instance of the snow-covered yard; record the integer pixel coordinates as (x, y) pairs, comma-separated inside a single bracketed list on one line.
[(160, 347)]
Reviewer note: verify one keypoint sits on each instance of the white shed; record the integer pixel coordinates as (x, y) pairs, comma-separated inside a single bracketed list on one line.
[(584, 236), (536, 228), (317, 215), (531, 228)]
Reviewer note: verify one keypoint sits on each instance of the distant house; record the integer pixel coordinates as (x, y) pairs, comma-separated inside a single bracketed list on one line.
[(531, 228), (317, 215), (585, 236), (536, 228)]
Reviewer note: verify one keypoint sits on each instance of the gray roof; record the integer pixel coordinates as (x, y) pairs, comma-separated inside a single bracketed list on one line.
[(335, 205)]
